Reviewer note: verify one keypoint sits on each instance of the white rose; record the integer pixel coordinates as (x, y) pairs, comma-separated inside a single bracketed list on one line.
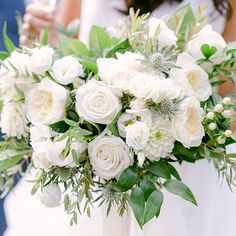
[(13, 120), (166, 37), (187, 125), (124, 120), (119, 72), (18, 61), (8, 84), (210, 37), (96, 103), (39, 133), (41, 154), (137, 135), (67, 70), (191, 78), (57, 148), (41, 60), (50, 196), (45, 102), (109, 156)]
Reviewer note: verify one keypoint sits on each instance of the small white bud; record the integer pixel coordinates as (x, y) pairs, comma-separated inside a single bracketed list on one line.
[(220, 140), (226, 114), (210, 115), (218, 108), (141, 159), (212, 126), (227, 101), (228, 133)]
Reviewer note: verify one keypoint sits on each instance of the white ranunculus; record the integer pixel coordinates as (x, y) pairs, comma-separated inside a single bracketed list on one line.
[(124, 120), (187, 126), (45, 102), (67, 70), (39, 133), (96, 102), (13, 120), (161, 140), (210, 37), (18, 61), (191, 78), (8, 84), (137, 135), (50, 195), (119, 72), (109, 156), (41, 59), (41, 154), (166, 37), (142, 85), (57, 148)]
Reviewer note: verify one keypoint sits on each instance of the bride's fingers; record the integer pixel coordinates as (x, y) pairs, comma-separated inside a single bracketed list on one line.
[(34, 10), (37, 23)]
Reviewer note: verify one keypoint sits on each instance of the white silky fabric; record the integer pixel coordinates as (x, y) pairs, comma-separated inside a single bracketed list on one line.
[(215, 214)]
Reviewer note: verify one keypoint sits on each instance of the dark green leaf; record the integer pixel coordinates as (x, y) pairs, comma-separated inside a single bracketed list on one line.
[(147, 187), (153, 206), (60, 126), (127, 179), (208, 51), (160, 169), (137, 202), (177, 187), (173, 171), (119, 47)]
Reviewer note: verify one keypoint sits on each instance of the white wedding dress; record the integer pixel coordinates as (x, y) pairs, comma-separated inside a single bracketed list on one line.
[(215, 214)]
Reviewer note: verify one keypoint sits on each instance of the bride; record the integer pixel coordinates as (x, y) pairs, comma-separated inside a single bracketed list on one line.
[(217, 205)]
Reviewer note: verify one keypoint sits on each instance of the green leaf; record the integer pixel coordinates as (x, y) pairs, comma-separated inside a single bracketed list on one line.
[(78, 134), (99, 39), (208, 51), (177, 187), (160, 169), (147, 187), (153, 206), (92, 66), (120, 47), (60, 126), (7, 42), (137, 202), (44, 41), (4, 55), (10, 162), (63, 136), (75, 156), (173, 171), (113, 126), (127, 179)]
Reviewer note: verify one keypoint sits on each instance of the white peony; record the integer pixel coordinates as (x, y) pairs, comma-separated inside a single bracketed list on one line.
[(161, 140), (96, 103), (191, 78), (45, 102), (210, 37), (187, 126), (41, 59), (50, 196), (119, 72), (137, 135), (109, 156), (165, 36), (8, 84), (67, 70), (13, 121), (39, 133)]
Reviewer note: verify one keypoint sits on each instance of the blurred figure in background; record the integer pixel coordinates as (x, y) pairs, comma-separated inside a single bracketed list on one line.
[(8, 11)]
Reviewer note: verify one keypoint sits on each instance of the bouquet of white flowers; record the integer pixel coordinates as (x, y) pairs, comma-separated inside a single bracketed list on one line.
[(107, 123)]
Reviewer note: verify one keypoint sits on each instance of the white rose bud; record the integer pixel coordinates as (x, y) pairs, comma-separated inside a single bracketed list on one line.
[(227, 101), (218, 108), (212, 126), (220, 140), (137, 135), (51, 196), (228, 133), (141, 159), (67, 70), (226, 114), (210, 115)]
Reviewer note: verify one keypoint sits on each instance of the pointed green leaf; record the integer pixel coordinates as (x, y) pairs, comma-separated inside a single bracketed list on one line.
[(160, 169), (7, 42), (147, 187)]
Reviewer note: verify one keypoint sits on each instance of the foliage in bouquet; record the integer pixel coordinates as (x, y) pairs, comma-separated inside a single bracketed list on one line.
[(108, 123)]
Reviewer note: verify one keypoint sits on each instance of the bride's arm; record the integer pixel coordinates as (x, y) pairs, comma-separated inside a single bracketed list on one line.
[(230, 35)]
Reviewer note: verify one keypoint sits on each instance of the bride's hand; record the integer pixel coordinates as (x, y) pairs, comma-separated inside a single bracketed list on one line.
[(35, 21)]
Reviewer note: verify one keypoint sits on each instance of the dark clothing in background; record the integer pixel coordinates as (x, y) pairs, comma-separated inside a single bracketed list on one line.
[(8, 10)]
